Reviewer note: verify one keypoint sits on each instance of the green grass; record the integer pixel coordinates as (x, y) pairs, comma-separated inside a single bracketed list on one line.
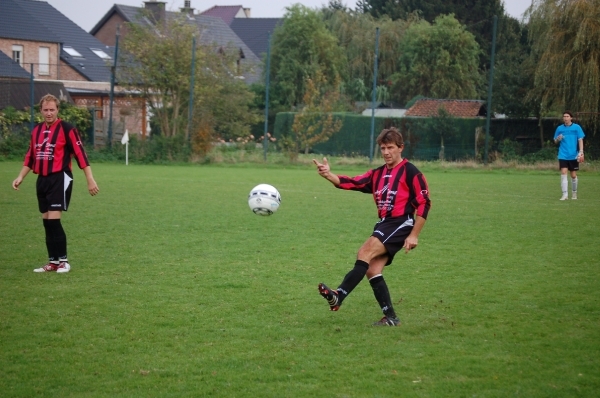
[(178, 290)]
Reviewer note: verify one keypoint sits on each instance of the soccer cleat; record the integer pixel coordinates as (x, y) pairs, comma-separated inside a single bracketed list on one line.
[(574, 195), (564, 197), (332, 297), (47, 268), (63, 267), (385, 321)]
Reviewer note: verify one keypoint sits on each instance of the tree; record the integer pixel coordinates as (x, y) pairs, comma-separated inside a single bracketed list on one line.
[(315, 122), (437, 60), (513, 71), (302, 47), (476, 15), (565, 37), (356, 34), (157, 61)]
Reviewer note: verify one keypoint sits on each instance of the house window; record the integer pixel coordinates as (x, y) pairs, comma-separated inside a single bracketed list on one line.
[(100, 53), (44, 66), (71, 51), (18, 54)]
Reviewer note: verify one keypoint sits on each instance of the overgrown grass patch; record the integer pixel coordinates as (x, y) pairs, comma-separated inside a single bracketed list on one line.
[(178, 289)]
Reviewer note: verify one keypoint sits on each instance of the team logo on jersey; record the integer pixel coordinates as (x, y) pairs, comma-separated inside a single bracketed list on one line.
[(380, 192)]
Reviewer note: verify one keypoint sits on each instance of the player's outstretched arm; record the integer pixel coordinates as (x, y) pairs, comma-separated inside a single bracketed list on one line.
[(92, 186), (325, 171), (24, 171)]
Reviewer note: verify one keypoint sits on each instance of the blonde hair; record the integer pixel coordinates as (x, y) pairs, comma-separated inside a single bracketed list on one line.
[(49, 98)]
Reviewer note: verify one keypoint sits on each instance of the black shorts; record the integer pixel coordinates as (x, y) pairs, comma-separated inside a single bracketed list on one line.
[(392, 232), (54, 191), (572, 165)]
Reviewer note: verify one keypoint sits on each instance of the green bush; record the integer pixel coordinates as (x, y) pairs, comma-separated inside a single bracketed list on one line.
[(15, 125), (511, 150), (14, 146)]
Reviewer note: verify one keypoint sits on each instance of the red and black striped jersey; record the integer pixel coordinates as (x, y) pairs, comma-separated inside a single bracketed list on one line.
[(397, 192), (51, 148)]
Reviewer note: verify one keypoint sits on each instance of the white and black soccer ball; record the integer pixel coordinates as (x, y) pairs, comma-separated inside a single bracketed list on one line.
[(264, 199)]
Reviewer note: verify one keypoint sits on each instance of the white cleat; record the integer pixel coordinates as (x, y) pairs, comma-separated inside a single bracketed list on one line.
[(63, 267), (564, 197), (574, 195), (47, 268)]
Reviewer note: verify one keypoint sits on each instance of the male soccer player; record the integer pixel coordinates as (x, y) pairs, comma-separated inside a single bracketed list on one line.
[(570, 136), (53, 143), (402, 198)]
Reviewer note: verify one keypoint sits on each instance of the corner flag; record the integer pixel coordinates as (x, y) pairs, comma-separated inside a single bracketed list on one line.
[(125, 138)]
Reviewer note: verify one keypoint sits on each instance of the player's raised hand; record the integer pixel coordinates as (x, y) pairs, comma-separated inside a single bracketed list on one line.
[(322, 168), (325, 171)]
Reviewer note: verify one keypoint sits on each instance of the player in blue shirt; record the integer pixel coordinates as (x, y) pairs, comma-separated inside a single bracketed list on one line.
[(570, 153)]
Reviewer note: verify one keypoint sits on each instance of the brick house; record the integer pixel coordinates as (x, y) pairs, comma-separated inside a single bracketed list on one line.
[(36, 35), (214, 30)]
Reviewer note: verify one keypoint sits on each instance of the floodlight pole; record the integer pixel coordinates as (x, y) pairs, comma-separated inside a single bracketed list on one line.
[(268, 81), (31, 93), (374, 95), (489, 99), (112, 90), (192, 79)]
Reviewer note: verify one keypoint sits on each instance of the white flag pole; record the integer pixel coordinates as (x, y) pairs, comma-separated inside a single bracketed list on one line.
[(125, 141)]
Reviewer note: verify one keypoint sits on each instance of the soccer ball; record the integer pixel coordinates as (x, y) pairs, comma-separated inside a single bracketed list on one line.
[(264, 199)]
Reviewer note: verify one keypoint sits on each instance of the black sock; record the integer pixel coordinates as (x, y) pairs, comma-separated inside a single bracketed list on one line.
[(382, 295), (52, 257), (352, 279), (59, 238)]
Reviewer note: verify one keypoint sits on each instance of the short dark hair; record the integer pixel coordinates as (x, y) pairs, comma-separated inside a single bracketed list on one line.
[(389, 136), (568, 113)]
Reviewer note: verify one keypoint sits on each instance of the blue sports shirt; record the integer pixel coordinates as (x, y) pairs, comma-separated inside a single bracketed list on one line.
[(568, 145)]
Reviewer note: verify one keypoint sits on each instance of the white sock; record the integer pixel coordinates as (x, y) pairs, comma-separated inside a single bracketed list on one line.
[(564, 183), (574, 184)]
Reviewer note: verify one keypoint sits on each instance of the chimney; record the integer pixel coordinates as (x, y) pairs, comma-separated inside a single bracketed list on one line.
[(187, 8), (157, 10), (247, 12)]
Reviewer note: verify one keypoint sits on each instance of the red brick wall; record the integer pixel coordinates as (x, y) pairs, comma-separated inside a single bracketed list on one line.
[(68, 73), (31, 55), (107, 33)]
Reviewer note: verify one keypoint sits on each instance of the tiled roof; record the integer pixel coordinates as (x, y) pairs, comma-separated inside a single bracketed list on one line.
[(16, 23), (9, 68), (255, 32), (39, 21), (128, 13), (427, 107), (226, 13), (215, 31), (17, 93)]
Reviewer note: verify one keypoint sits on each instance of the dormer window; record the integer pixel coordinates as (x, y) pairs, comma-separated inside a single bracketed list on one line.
[(71, 51), (100, 53)]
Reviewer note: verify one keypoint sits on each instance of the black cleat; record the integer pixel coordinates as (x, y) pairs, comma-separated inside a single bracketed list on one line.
[(332, 297), (385, 321)]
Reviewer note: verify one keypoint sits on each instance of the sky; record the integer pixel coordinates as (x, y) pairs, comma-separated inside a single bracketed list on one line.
[(86, 13)]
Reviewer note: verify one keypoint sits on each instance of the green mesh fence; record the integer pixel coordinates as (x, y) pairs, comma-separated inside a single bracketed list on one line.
[(450, 139)]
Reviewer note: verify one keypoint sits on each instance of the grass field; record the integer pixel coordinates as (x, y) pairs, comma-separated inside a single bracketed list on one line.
[(178, 290)]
